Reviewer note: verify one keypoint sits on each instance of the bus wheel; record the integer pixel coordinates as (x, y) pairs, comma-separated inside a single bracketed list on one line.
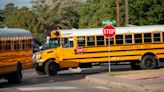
[(40, 70), (15, 77), (135, 65), (51, 68), (149, 62)]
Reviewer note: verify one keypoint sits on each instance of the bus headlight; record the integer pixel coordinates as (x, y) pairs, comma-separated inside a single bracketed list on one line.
[(39, 60), (34, 56)]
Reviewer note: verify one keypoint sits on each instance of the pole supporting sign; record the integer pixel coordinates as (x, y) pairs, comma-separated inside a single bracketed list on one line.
[(109, 31)]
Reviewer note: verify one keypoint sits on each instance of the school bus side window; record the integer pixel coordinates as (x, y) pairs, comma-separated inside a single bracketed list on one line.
[(81, 41), (111, 41), (91, 41), (67, 42), (157, 37), (119, 39), (147, 37), (138, 38), (100, 40), (16, 44), (163, 36), (8, 45), (0, 45), (128, 38), (54, 43)]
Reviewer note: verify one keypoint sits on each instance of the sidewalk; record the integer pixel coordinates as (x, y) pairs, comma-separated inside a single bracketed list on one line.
[(139, 82)]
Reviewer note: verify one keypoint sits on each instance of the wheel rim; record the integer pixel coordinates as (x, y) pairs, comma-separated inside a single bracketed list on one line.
[(52, 67), (149, 62)]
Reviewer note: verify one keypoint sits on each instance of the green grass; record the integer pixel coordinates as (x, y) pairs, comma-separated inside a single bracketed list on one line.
[(134, 72)]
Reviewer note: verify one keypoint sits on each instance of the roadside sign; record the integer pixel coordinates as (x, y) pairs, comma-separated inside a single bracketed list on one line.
[(79, 50), (107, 21), (109, 31)]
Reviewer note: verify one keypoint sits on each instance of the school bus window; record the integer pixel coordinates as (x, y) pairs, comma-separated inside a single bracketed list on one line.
[(111, 41), (119, 39), (81, 41), (15, 45), (147, 37), (8, 45), (100, 40), (67, 42), (26, 44), (91, 41), (138, 38), (128, 38), (157, 37), (54, 43), (0, 45), (29, 44), (12, 44), (163, 36), (23, 44)]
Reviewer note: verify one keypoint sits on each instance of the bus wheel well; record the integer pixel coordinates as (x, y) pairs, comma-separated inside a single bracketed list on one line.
[(19, 65), (149, 53), (50, 59)]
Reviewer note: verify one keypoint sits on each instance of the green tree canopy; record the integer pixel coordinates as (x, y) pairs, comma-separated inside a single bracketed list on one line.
[(59, 12), (141, 12)]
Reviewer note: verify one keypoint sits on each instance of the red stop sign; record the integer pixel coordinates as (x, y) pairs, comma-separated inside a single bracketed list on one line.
[(109, 31)]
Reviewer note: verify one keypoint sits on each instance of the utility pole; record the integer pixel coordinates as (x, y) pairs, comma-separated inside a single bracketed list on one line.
[(126, 13), (118, 12)]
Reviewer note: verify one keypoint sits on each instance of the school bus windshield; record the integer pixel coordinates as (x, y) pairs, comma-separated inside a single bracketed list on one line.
[(54, 42)]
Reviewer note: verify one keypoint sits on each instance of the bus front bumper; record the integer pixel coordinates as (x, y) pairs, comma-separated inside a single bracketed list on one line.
[(38, 62)]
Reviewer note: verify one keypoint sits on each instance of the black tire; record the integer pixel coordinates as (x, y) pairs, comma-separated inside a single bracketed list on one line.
[(135, 65), (15, 77), (51, 68), (40, 71), (149, 62)]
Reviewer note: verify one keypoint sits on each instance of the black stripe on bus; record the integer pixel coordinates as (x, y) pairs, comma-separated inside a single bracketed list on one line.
[(101, 57), (121, 45), (122, 50), (107, 56), (160, 54)]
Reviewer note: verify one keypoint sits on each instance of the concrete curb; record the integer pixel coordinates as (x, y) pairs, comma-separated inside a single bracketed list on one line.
[(120, 85)]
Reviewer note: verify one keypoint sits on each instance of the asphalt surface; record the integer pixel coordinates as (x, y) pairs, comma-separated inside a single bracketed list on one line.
[(70, 81), (65, 81)]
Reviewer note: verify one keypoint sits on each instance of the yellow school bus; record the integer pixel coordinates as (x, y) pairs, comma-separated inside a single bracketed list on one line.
[(142, 46), (15, 53)]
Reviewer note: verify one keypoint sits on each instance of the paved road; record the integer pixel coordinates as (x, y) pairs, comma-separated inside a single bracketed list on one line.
[(64, 81), (70, 81)]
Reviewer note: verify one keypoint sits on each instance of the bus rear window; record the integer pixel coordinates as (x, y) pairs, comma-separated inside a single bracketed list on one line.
[(81, 41)]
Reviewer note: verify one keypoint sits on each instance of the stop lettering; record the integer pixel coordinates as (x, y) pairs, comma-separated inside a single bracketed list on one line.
[(109, 31)]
